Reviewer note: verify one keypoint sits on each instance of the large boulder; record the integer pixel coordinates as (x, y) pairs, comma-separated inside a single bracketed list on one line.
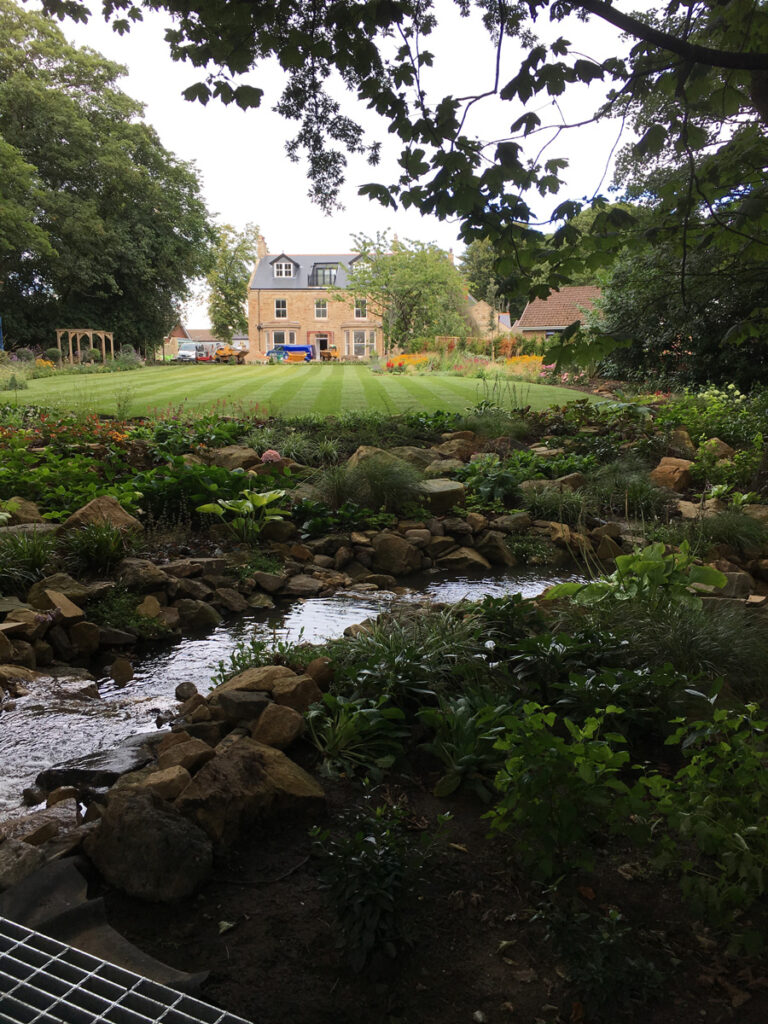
[(279, 726), (491, 544), (197, 616), (302, 585), (22, 511), (262, 678), (146, 848), (463, 560), (458, 448), (105, 510), (245, 782), (441, 495), (394, 555), (62, 583), (673, 474), (418, 457), (368, 451), (236, 456)]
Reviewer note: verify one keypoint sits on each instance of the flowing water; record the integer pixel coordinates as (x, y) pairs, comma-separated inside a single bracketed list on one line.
[(51, 725)]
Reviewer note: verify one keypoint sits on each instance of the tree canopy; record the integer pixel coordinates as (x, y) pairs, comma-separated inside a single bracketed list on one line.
[(413, 286), (100, 226), (232, 260), (693, 79)]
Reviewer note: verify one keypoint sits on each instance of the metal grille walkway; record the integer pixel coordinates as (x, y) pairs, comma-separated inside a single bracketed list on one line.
[(43, 981)]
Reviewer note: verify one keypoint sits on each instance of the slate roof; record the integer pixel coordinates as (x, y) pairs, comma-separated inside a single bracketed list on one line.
[(559, 310), (263, 276)]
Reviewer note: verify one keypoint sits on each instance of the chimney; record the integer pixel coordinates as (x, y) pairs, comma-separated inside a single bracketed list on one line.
[(261, 247)]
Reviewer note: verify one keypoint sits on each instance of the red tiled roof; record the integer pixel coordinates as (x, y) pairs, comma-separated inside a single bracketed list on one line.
[(559, 310)]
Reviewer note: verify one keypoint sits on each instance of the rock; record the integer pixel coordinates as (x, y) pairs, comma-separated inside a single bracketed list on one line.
[(197, 616), (253, 679), (366, 452), (102, 768), (517, 522), (442, 495), (608, 550), (324, 561), (61, 793), (463, 559), (380, 580), (738, 584), (681, 445), (241, 785), (300, 552), (759, 512), (6, 648), (419, 538), (183, 568), (191, 754), (439, 546), (147, 849), (673, 474), (78, 690), (270, 581), (195, 590), (279, 726), (493, 547), (457, 448), (150, 607), (168, 782), (103, 510), (342, 557), (30, 626), (570, 482), (258, 601), (141, 575), (421, 458), (321, 670), (280, 530), (68, 612), (302, 586), (477, 522), (719, 448), (242, 705), (236, 456), (394, 555), (111, 637), (85, 637), (298, 692), (121, 670), (62, 583), (612, 530), (332, 543), (232, 600), (441, 468), (185, 690), (17, 860), (22, 511)]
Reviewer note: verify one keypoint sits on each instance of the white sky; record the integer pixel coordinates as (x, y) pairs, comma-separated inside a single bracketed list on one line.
[(247, 176)]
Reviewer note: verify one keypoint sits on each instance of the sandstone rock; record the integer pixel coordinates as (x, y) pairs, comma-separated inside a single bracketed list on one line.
[(141, 575), (570, 482), (366, 452), (196, 700), (121, 670), (321, 670), (246, 782), (681, 445), (183, 568), (439, 546), (492, 546), (197, 616), (518, 522), (258, 601), (442, 468), (279, 726), (612, 530), (191, 754), (85, 637), (442, 495), (331, 543), (111, 637), (30, 624), (418, 457), (719, 448), (608, 549), (280, 530), (150, 607), (103, 510), (242, 705), (298, 692), (185, 690), (231, 599), (261, 679), (22, 511), (236, 456), (394, 555), (477, 522), (62, 583), (379, 580), (343, 557), (195, 590), (673, 474), (61, 793), (458, 448), (738, 584), (463, 559), (144, 847), (6, 648), (17, 860), (302, 586), (68, 612), (419, 538), (324, 561), (168, 782)]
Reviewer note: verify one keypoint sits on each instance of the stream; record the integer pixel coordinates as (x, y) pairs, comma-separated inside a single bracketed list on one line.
[(50, 725)]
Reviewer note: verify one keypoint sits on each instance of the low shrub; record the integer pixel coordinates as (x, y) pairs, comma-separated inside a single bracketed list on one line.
[(96, 547), (356, 734), (554, 505)]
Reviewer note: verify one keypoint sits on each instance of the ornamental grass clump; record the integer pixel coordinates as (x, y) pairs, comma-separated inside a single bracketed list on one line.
[(24, 559), (378, 483)]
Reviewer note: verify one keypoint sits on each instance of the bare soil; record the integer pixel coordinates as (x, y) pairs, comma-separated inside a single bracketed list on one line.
[(265, 929)]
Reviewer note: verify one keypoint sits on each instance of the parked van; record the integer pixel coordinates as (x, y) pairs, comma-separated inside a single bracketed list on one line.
[(196, 351), (282, 352)]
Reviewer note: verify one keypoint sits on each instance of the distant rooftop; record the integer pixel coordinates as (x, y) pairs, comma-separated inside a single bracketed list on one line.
[(559, 310)]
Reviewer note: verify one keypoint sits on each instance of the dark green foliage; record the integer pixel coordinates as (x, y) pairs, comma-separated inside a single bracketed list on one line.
[(378, 483), (118, 609), (356, 735), (624, 488), (174, 491), (734, 529), (373, 867), (24, 559), (315, 518), (555, 505), (96, 547)]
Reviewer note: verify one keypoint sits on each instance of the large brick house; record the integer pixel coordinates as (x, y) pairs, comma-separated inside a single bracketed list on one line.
[(292, 301)]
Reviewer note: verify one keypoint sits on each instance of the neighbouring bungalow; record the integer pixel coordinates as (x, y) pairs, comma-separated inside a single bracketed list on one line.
[(293, 300), (181, 334), (544, 317)]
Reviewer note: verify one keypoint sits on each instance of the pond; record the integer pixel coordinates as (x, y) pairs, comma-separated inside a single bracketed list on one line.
[(51, 725)]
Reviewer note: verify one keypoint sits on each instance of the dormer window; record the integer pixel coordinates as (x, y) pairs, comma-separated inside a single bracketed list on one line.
[(283, 268), (323, 275)]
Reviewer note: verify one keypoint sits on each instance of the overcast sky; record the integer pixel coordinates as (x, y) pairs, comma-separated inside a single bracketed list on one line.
[(240, 154)]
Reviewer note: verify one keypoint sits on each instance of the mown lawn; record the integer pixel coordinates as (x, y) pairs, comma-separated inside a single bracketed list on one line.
[(278, 390)]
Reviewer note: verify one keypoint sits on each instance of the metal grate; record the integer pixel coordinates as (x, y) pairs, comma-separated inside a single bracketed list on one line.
[(43, 981)]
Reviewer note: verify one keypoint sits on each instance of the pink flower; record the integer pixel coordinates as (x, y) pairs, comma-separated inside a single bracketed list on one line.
[(270, 455)]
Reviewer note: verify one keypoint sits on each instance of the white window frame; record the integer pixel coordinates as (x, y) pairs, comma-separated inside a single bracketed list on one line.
[(283, 268), (362, 343), (279, 338), (361, 309), (281, 312), (321, 309)]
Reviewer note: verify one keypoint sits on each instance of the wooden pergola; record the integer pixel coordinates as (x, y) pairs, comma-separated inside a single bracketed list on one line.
[(73, 338)]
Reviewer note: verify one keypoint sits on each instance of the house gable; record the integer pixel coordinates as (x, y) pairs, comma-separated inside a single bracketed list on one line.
[(558, 310)]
